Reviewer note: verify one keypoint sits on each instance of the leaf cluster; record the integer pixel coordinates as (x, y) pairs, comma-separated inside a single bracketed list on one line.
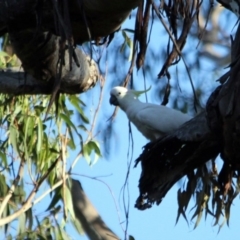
[(202, 185), (34, 150)]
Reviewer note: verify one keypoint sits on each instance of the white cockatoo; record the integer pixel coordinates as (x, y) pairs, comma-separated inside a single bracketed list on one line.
[(152, 120)]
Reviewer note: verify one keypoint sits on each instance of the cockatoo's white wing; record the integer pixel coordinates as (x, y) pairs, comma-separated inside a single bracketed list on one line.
[(153, 121)]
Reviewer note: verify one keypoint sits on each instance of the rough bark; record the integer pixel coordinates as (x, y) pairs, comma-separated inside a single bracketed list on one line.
[(16, 81), (227, 103), (102, 17), (44, 35), (88, 216), (40, 62), (167, 160)]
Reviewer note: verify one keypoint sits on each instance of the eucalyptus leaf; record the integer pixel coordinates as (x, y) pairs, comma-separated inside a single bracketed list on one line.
[(40, 135)]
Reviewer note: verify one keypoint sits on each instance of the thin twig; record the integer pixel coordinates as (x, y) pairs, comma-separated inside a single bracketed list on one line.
[(129, 74), (205, 26), (126, 183), (111, 192), (177, 49), (12, 188), (75, 161), (28, 203), (102, 83), (56, 185), (64, 146), (59, 183)]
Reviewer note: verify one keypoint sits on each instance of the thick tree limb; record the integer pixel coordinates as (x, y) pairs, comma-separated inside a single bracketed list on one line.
[(40, 58), (103, 17), (44, 36), (167, 160), (85, 212), (15, 81)]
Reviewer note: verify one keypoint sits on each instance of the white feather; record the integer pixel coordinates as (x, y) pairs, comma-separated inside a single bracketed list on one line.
[(152, 120)]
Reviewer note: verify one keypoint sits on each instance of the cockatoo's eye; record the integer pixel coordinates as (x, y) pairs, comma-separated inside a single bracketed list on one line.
[(119, 93)]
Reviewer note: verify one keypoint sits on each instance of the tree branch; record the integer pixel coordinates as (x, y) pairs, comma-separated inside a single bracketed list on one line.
[(46, 53), (13, 187), (80, 79), (85, 212), (29, 202), (103, 17)]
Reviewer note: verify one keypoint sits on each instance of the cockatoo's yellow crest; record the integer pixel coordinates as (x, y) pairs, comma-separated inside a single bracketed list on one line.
[(138, 93)]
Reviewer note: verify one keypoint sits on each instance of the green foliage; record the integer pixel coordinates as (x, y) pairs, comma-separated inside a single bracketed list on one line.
[(31, 145), (202, 185), (34, 154), (5, 59), (127, 43), (88, 148)]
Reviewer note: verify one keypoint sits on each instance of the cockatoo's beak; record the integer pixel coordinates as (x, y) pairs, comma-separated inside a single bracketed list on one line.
[(113, 100)]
